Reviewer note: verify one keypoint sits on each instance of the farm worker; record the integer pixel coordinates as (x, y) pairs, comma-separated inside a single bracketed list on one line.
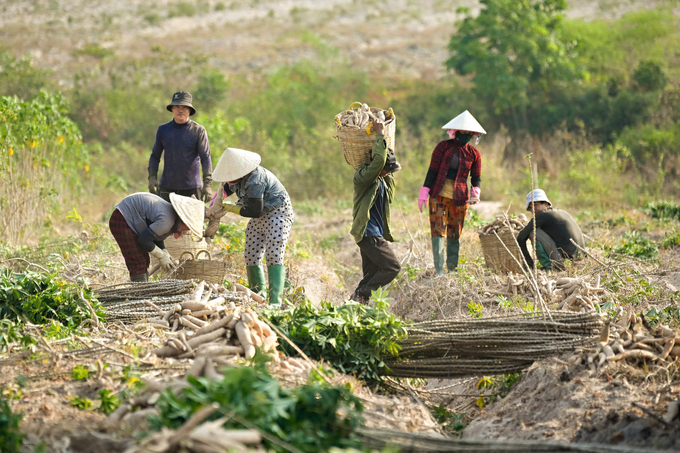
[(142, 221), (374, 189), (554, 228), (445, 184), (263, 199), (187, 150)]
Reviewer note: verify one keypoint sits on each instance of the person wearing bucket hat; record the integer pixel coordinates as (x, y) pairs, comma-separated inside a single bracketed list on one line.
[(374, 190), (446, 186), (184, 146), (263, 199), (140, 223), (554, 229)]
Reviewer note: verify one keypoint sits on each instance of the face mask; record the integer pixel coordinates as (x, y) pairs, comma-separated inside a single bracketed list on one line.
[(463, 138)]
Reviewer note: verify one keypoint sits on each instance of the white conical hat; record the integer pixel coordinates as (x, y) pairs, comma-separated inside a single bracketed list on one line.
[(234, 164), (465, 122), (191, 211)]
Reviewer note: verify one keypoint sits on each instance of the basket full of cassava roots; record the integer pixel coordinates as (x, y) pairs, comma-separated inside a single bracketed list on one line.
[(356, 134)]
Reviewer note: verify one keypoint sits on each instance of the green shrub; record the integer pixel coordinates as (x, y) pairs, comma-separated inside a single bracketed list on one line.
[(668, 210), (39, 298), (308, 417), (153, 19), (10, 437), (19, 78), (43, 162), (354, 338), (650, 76), (182, 9), (636, 245), (670, 239), (211, 90), (94, 50)]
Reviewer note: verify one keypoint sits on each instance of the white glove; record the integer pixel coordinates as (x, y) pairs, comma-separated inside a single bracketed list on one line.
[(167, 263)]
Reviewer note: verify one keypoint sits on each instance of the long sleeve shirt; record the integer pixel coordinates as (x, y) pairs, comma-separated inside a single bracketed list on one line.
[(151, 217), (467, 163), (560, 226), (259, 192), (367, 185), (185, 150)]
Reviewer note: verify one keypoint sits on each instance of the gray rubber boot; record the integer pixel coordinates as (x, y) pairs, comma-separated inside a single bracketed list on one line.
[(452, 249), (140, 278), (438, 255)]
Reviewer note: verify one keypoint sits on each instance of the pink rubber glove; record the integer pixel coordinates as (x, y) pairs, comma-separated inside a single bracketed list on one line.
[(474, 195), (422, 198)]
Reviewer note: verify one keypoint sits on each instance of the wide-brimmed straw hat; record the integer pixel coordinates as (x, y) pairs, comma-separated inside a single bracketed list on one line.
[(234, 164), (465, 122), (537, 195), (181, 98), (191, 211)]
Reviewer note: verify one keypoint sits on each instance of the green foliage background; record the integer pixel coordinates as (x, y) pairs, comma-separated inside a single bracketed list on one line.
[(597, 103)]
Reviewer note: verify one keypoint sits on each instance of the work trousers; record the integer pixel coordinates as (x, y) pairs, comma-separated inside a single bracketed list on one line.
[(379, 264), (267, 236), (136, 258), (549, 255)]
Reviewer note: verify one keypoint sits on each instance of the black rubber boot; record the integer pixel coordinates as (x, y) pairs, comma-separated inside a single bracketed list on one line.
[(140, 278)]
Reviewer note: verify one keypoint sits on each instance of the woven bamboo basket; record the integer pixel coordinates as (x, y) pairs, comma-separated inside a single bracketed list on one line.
[(356, 144), (209, 270), (496, 256), (185, 243)]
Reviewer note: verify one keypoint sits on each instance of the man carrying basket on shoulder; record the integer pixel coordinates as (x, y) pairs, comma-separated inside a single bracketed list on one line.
[(374, 189)]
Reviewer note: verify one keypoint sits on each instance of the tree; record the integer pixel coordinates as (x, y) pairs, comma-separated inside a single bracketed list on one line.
[(516, 55)]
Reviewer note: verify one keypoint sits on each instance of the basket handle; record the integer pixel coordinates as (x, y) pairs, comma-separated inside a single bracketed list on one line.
[(353, 104), (181, 257), (203, 251)]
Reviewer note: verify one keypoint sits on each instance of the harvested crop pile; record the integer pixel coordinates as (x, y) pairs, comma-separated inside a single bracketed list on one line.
[(566, 293), (361, 117), (578, 294), (632, 339), (505, 344), (501, 222), (208, 329)]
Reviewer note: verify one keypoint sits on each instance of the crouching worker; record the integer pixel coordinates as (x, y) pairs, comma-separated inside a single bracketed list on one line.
[(373, 193), (554, 229), (263, 199), (142, 221)]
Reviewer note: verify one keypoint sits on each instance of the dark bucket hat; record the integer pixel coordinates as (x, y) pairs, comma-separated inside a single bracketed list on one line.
[(181, 98)]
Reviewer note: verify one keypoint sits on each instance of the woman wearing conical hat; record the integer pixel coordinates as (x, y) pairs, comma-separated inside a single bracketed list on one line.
[(446, 186), (142, 221), (263, 199)]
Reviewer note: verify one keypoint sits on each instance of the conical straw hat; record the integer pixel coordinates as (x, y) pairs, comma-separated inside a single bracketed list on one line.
[(465, 122), (191, 211), (234, 164)]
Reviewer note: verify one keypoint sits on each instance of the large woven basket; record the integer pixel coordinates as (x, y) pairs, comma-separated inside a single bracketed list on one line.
[(185, 243), (356, 144), (209, 270), (496, 256)]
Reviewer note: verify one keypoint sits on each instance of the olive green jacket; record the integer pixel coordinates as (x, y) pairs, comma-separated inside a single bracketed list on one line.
[(366, 185)]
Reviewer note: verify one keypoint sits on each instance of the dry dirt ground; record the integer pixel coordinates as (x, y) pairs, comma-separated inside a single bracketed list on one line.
[(552, 401)]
